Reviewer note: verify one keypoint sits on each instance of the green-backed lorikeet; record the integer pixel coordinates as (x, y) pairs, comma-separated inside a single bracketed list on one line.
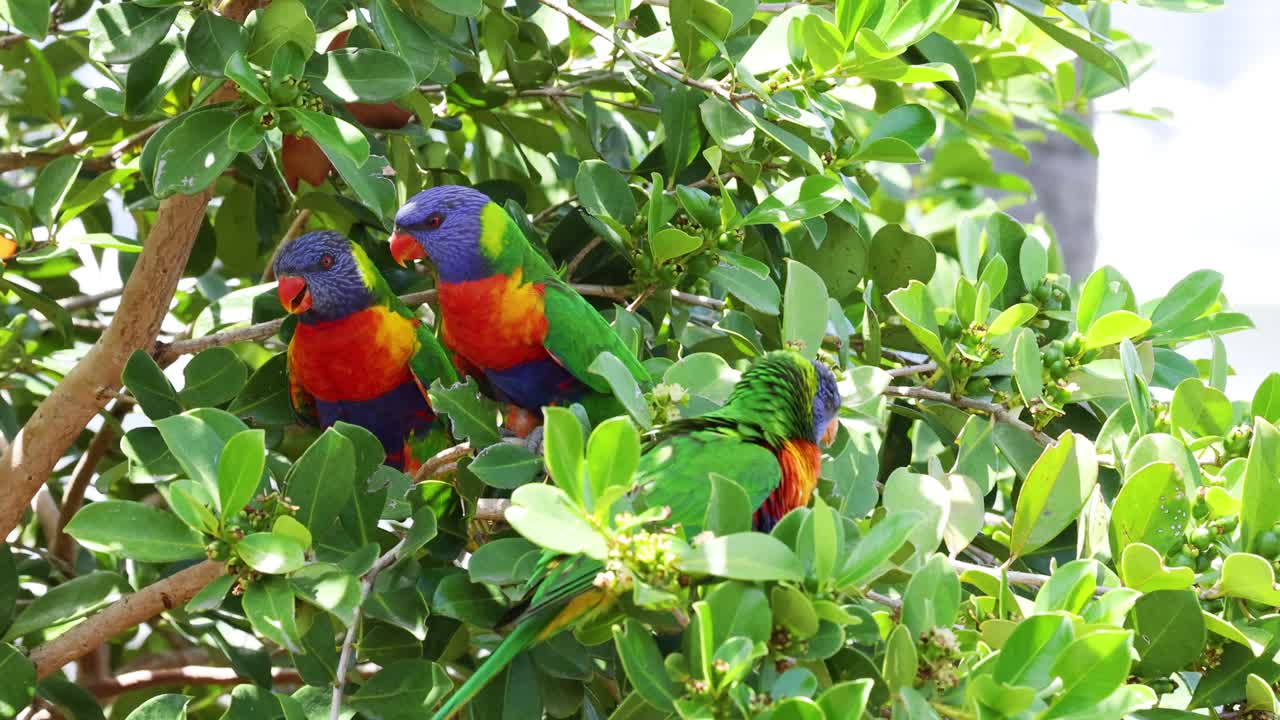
[(505, 313), (358, 354), (765, 437)]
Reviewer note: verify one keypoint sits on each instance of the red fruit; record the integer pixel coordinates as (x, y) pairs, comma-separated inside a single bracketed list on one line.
[(304, 160), (381, 116)]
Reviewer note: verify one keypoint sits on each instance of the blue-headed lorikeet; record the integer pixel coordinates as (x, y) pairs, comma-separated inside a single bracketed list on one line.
[(504, 312), (765, 437), (358, 354)]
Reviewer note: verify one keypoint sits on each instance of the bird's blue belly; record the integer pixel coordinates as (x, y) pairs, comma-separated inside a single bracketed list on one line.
[(392, 417), (538, 383)]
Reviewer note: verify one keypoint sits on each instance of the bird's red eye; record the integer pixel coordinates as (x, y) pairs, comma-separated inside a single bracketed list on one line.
[(434, 220), (326, 261)]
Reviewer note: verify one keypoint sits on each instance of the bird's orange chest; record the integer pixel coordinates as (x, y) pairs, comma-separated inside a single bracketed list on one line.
[(359, 357), (801, 462), (495, 323)]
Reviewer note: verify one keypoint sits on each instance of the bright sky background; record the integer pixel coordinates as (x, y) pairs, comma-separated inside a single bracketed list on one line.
[(1193, 192)]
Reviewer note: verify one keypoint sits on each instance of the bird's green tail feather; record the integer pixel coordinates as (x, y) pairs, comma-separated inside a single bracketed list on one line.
[(522, 637)]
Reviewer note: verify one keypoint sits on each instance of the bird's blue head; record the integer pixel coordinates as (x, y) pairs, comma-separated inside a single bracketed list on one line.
[(323, 276), (447, 225), (826, 405)]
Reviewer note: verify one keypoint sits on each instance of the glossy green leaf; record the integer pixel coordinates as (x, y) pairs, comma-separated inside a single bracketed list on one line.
[(1055, 490), (136, 531)]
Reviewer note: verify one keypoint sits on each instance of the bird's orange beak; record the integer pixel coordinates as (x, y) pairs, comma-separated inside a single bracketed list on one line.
[(829, 434), (294, 295), (404, 248)]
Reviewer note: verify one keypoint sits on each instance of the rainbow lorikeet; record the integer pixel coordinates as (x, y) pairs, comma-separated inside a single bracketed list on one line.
[(505, 313), (765, 437), (358, 354)]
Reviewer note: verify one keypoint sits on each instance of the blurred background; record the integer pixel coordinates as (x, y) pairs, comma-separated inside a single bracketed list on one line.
[(1194, 191)]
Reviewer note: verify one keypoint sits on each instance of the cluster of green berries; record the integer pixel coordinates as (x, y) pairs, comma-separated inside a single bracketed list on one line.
[(257, 517), (1199, 550), (939, 654), (783, 646), (666, 399), (1236, 443), (968, 353), (1048, 295)]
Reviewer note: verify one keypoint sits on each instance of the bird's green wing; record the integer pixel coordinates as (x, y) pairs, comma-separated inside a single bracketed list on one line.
[(577, 334), (675, 473), (431, 361)]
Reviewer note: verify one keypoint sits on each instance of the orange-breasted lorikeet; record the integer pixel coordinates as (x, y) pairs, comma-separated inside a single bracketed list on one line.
[(504, 312), (765, 437), (358, 354)]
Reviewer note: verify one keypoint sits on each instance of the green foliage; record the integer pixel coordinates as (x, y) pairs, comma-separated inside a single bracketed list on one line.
[(1035, 506)]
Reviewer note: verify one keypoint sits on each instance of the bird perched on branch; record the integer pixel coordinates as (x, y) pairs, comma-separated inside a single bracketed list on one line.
[(765, 438), (505, 313), (358, 354)]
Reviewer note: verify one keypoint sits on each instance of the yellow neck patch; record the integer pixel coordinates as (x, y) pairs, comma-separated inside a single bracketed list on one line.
[(493, 225)]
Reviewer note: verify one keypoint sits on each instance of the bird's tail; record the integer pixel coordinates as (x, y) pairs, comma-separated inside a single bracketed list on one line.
[(522, 637)]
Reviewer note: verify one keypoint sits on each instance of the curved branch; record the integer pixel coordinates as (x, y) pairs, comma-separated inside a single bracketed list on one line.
[(195, 675), (127, 612)]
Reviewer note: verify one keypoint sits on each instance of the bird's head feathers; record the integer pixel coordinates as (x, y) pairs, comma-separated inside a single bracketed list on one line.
[(323, 276), (789, 396), (459, 229)]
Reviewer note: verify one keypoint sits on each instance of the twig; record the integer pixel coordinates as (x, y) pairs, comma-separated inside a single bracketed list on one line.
[(348, 643), (492, 509), (582, 255), (562, 93), (295, 229), (24, 159), (999, 412), (62, 545), (80, 302), (1016, 577), (699, 300), (772, 8), (195, 675), (548, 212), (639, 58), (922, 369), (440, 460), (885, 600), (127, 612), (644, 295)]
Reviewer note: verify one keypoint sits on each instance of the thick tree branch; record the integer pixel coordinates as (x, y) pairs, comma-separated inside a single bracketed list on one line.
[(125, 613), (84, 391)]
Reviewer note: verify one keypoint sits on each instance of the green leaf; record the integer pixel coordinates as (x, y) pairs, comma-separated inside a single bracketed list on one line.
[(464, 8), (212, 378), (265, 397), (643, 664), (246, 78), (804, 321), (212, 41), (671, 243), (1091, 668), (1032, 649), (547, 517), (136, 531), (320, 483), (730, 130), (29, 17), (191, 502), (1105, 291), (283, 21), (1055, 490), (195, 153), (1142, 569), (755, 290), (799, 199), (1027, 367), (196, 446), (161, 707), (793, 611), (1261, 485), (932, 597), (52, 187), (271, 554), (1011, 318), (603, 191), (268, 604), (729, 509), (900, 660), (403, 36), (744, 556), (147, 382), (915, 19), (505, 466), (1090, 52), (898, 257), (1169, 631), (1200, 411), (680, 123), (471, 416), (1069, 588), (688, 19), (562, 449), (151, 77), (877, 546), (240, 470), (1249, 577), (404, 689), (122, 32), (1152, 508), (915, 307), (1189, 298), (69, 601), (1113, 327), (366, 75), (613, 454), (624, 386), (334, 135)]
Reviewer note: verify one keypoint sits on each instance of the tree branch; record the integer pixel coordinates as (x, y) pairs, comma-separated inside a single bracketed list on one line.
[(440, 460), (348, 643), (127, 612), (999, 412), (62, 545), (196, 675), (492, 509), (84, 390)]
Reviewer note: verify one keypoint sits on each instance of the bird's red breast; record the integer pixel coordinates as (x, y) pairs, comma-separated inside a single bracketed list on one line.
[(359, 357), (801, 462), (494, 323)]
